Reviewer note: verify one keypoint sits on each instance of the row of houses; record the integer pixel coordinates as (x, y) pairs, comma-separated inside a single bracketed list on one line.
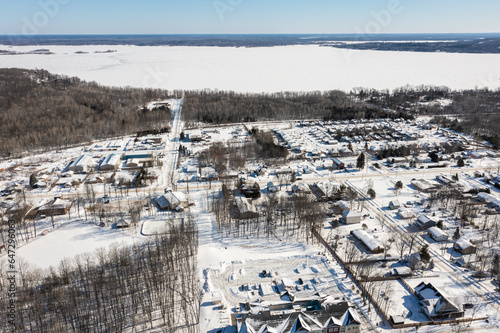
[(308, 315)]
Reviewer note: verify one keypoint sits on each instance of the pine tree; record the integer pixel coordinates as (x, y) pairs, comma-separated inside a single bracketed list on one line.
[(495, 265), (456, 235), (33, 180), (360, 162), (424, 253), (460, 162)]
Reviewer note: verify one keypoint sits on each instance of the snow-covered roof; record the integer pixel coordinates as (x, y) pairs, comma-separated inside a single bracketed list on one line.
[(435, 232), (370, 242), (463, 244), (352, 213)]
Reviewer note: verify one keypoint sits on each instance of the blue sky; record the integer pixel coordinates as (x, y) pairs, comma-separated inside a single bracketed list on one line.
[(248, 16)]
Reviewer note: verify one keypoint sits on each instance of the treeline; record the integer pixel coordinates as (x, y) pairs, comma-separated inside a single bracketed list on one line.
[(147, 287), (218, 107), (42, 110)]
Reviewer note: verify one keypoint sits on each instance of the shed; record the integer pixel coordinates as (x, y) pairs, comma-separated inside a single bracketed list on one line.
[(401, 271), (437, 234), (397, 320)]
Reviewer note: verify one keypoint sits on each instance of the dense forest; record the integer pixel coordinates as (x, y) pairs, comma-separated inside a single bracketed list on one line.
[(146, 287), (218, 107), (42, 110), (475, 112)]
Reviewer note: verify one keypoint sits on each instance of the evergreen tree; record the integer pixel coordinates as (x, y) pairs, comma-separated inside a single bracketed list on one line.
[(460, 162), (371, 193), (33, 180), (360, 162), (495, 265), (424, 253), (456, 235)]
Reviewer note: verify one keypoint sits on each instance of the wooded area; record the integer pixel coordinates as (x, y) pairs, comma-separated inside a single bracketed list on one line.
[(39, 110), (152, 286), (219, 107)]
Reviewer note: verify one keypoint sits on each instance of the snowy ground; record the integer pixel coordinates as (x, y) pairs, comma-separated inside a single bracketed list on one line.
[(287, 68)]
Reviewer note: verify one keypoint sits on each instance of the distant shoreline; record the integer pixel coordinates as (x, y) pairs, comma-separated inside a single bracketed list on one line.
[(488, 43)]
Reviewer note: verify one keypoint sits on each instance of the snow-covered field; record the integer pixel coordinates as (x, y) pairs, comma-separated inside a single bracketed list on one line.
[(287, 68)]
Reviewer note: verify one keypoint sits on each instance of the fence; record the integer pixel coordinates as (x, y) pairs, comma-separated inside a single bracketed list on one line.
[(371, 299)]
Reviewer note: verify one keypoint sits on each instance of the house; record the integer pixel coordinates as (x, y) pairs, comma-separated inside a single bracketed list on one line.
[(246, 209), (415, 261), (271, 188), (296, 318), (352, 217), (195, 136), (425, 186), (425, 222), (373, 244), (394, 204), (406, 213), (81, 164), (172, 201), (327, 189), (464, 246), (301, 188), (489, 199), (251, 190), (434, 304), (437, 234), (110, 163), (338, 164), (55, 207)]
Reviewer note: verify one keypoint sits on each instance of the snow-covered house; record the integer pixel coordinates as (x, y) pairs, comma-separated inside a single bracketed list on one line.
[(246, 209), (437, 234), (351, 217), (406, 213), (55, 207), (335, 318), (424, 185), (373, 244), (434, 304), (172, 200), (464, 246), (394, 204), (337, 164), (424, 221)]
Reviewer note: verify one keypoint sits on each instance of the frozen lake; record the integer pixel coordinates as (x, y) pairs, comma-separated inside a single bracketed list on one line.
[(287, 68)]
